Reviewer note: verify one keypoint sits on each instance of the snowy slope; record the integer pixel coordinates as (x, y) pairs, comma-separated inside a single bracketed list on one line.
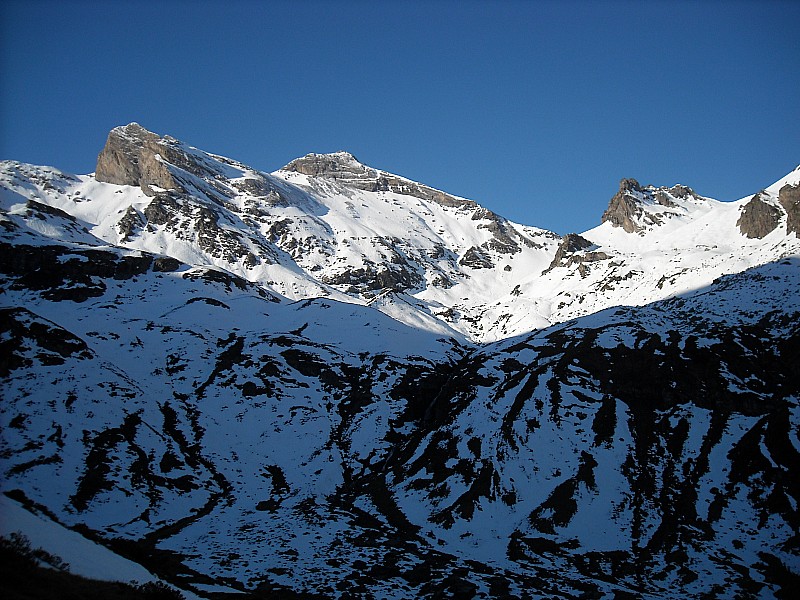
[(180, 412), (270, 383), (653, 448), (86, 558)]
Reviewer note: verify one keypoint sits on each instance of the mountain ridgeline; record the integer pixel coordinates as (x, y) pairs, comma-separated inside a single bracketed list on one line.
[(330, 381)]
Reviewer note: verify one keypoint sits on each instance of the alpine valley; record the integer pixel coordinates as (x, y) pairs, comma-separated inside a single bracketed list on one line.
[(335, 382)]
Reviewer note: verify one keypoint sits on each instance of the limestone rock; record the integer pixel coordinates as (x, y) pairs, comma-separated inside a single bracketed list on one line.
[(623, 209), (568, 254), (338, 165), (636, 208), (503, 236), (758, 218), (129, 224), (254, 186), (572, 242), (132, 156), (476, 258), (789, 197), (345, 168), (370, 278)]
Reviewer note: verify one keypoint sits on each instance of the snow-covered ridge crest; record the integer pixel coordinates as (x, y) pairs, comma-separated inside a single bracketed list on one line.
[(327, 225)]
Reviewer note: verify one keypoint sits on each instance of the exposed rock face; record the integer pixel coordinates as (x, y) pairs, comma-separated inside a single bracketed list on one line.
[(503, 240), (129, 224), (345, 168), (135, 156), (623, 208), (476, 258), (758, 218), (566, 255), (61, 273), (677, 191), (131, 156), (371, 279), (189, 219), (572, 242), (255, 187), (789, 197), (339, 165), (627, 208)]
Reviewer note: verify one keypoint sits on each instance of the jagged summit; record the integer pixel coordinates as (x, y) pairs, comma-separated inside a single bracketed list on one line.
[(629, 184), (635, 208), (129, 158)]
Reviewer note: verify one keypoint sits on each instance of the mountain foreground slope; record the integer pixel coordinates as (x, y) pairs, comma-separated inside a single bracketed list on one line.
[(332, 381)]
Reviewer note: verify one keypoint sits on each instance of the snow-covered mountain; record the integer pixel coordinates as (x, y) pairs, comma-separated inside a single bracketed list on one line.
[(326, 225), (335, 381)]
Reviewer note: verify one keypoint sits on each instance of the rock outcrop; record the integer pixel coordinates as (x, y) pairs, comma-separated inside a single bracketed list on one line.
[(338, 165), (636, 208), (789, 197), (759, 218), (135, 156), (132, 156), (623, 209), (347, 170), (129, 224), (570, 252), (476, 258)]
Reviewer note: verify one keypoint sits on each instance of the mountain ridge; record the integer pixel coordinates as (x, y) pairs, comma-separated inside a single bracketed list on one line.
[(251, 382), (467, 267)]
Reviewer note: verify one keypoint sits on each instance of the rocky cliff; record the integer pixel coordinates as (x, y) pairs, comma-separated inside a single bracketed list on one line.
[(133, 156)]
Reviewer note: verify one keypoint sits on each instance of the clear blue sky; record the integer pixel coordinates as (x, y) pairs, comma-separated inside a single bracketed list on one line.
[(535, 110)]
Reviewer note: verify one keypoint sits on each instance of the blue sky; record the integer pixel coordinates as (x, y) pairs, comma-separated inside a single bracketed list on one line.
[(534, 109)]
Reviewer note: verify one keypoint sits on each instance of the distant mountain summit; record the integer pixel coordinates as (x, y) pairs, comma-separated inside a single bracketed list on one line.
[(328, 225), (331, 381), (338, 165), (635, 208)]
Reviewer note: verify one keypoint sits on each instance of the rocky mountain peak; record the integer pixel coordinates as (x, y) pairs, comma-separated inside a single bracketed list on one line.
[(138, 157), (629, 185), (337, 165), (571, 252), (134, 131), (131, 157), (627, 207), (623, 209)]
